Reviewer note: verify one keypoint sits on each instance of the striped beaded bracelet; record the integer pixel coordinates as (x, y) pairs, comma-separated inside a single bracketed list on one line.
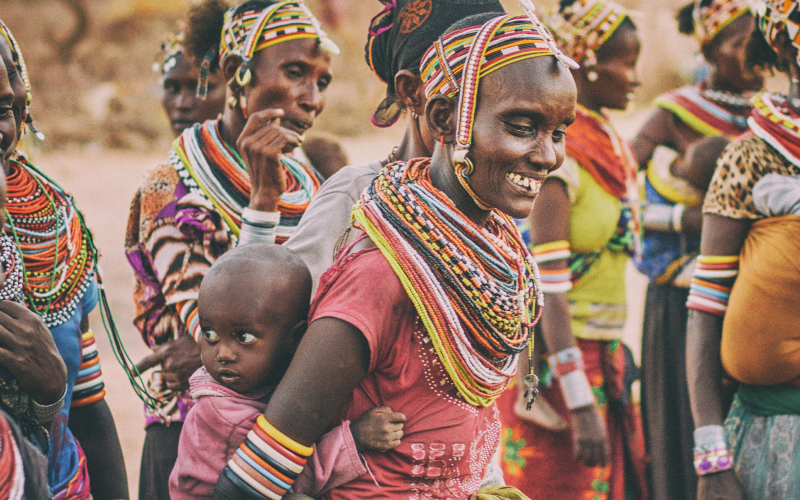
[(712, 282), (554, 280), (89, 386)]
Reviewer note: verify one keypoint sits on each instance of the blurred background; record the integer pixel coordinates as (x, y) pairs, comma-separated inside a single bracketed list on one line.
[(97, 99)]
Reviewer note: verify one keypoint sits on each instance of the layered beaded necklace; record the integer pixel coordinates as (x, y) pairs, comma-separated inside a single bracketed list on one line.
[(774, 122), (475, 288), (215, 171), (56, 247)]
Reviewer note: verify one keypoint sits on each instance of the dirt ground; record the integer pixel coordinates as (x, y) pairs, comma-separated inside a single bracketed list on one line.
[(103, 183)]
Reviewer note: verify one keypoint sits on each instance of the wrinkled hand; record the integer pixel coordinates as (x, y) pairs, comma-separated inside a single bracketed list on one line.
[(261, 144), (719, 486), (379, 429), (179, 359), (28, 351), (589, 436)]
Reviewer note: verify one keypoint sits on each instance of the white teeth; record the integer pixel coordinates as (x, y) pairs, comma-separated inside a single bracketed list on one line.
[(526, 182)]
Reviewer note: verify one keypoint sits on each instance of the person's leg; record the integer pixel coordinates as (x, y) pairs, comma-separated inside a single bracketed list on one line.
[(158, 458)]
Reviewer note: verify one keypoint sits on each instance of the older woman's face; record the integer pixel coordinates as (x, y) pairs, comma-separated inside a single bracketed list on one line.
[(15, 79), (520, 130), (8, 132), (292, 76)]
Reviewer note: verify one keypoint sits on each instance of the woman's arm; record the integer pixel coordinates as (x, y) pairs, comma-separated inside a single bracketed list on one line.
[(721, 236), (662, 129), (94, 428), (549, 222)]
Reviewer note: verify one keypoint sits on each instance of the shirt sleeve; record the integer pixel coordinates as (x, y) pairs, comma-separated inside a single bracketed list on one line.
[(335, 462)]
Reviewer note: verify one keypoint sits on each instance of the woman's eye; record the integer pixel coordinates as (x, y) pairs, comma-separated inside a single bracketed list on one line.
[(6, 111), (559, 135), (246, 338), (171, 88), (520, 128), (211, 335), (323, 84), (294, 74)]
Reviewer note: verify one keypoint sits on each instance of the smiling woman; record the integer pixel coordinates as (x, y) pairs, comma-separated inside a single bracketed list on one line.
[(228, 180), (428, 311)]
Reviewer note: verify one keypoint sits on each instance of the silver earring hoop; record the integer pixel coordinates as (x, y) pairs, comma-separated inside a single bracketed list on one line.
[(414, 114), (592, 76)]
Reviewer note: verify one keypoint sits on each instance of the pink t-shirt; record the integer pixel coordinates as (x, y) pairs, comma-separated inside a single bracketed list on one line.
[(447, 443)]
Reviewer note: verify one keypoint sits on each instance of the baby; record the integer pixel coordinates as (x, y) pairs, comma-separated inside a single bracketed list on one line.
[(253, 307)]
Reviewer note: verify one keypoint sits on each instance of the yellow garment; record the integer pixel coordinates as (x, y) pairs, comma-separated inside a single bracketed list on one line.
[(597, 301), (761, 330), (500, 493)]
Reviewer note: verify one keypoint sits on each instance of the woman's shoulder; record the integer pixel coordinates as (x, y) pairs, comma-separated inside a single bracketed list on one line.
[(160, 177)]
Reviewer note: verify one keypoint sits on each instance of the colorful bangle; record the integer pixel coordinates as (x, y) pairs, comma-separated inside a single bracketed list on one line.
[(567, 367), (657, 217), (566, 361), (89, 386), (712, 458), (304, 451), (258, 227), (187, 310), (712, 282), (556, 280), (549, 252)]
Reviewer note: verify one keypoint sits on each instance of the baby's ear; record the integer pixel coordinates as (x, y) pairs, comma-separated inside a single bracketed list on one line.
[(299, 330)]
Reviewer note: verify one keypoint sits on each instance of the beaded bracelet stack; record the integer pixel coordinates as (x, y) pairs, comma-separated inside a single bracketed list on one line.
[(711, 452), (258, 227), (554, 280), (711, 285), (89, 387), (267, 464), (567, 367), (187, 310)]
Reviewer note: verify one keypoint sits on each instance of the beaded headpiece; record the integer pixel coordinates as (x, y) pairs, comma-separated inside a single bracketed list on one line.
[(171, 48), (585, 26), (458, 60), (773, 16), (22, 69), (709, 20)]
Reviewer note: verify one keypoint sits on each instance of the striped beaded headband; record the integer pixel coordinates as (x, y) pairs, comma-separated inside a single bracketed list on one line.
[(245, 33), (469, 54), (711, 19), (585, 26), (773, 16), (22, 69), (171, 48)]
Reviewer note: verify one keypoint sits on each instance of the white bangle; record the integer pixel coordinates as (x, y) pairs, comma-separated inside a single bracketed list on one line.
[(576, 389), (258, 227), (657, 217), (709, 435), (676, 219)]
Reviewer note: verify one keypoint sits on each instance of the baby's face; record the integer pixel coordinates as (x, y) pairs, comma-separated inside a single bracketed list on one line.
[(242, 349)]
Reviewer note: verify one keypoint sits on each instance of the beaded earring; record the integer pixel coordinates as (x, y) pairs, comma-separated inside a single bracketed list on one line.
[(232, 101), (592, 76)]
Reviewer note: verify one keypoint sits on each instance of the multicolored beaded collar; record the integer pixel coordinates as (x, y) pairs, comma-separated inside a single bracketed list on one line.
[(585, 26), (711, 19), (171, 48), (22, 69), (457, 61), (773, 121), (774, 16)]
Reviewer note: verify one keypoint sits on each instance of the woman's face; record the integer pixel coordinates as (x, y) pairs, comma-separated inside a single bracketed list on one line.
[(520, 128), (15, 80), (8, 131), (728, 57), (616, 70), (180, 100), (292, 76)]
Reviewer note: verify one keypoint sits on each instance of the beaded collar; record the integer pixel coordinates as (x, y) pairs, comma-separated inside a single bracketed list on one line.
[(709, 112), (475, 288), (774, 122), (11, 263)]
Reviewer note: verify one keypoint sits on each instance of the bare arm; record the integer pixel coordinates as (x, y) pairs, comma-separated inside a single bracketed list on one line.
[(662, 129)]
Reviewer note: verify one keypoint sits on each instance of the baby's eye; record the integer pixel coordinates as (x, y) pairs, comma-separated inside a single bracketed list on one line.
[(211, 335), (245, 338)]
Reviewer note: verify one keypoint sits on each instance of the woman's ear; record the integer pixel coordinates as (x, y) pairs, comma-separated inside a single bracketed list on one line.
[(409, 89), (440, 112), (229, 67)]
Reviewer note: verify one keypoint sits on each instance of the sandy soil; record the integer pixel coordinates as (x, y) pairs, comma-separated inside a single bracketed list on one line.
[(103, 184)]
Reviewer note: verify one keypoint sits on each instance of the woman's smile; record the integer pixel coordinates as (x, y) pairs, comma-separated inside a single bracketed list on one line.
[(528, 185)]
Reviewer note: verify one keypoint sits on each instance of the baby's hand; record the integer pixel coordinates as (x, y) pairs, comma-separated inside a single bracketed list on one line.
[(379, 429)]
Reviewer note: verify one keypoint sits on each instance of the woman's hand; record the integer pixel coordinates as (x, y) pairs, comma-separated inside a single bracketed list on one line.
[(28, 351), (179, 359), (261, 144), (589, 436), (719, 486)]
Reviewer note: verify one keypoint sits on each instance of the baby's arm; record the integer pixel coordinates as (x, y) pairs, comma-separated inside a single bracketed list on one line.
[(336, 459), (775, 195)]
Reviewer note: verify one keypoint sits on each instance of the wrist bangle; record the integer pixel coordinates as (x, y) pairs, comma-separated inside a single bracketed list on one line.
[(47, 413), (657, 217), (258, 227), (676, 218), (712, 458), (576, 390), (708, 435), (566, 361)]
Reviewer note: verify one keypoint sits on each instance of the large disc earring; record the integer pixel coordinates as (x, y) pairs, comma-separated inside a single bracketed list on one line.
[(592, 76), (232, 102)]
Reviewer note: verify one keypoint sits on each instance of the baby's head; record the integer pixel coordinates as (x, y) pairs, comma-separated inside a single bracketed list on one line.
[(253, 310), (701, 160)]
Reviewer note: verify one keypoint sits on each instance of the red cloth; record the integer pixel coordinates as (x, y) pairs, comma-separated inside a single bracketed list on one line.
[(446, 443), (539, 462)]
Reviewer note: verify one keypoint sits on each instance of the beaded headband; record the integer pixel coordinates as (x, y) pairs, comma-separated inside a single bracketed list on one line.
[(245, 33), (22, 69), (458, 60), (711, 19), (773, 16), (585, 26), (171, 48)]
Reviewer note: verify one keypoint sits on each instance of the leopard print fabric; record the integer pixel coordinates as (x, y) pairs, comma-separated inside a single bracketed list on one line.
[(745, 161)]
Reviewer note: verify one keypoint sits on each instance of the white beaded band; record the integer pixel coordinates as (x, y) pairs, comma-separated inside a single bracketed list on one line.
[(47, 413), (676, 218), (258, 227), (576, 389), (657, 217), (709, 435)]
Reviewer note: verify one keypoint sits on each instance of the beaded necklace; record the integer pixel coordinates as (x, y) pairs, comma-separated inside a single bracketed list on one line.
[(57, 249), (211, 168), (774, 122), (11, 263), (475, 288), (709, 112)]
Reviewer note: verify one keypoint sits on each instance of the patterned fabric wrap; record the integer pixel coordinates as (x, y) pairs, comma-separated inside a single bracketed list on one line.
[(458, 60), (78, 487), (584, 27), (476, 289), (773, 121), (695, 106), (711, 19), (774, 16), (247, 31), (623, 240), (22, 69), (712, 282), (12, 469), (89, 386), (171, 48)]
